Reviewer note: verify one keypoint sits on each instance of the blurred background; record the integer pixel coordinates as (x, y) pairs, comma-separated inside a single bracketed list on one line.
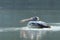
[(12, 11)]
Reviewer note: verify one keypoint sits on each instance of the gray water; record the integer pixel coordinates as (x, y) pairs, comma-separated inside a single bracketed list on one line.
[(12, 11), (25, 33), (40, 34), (9, 34)]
